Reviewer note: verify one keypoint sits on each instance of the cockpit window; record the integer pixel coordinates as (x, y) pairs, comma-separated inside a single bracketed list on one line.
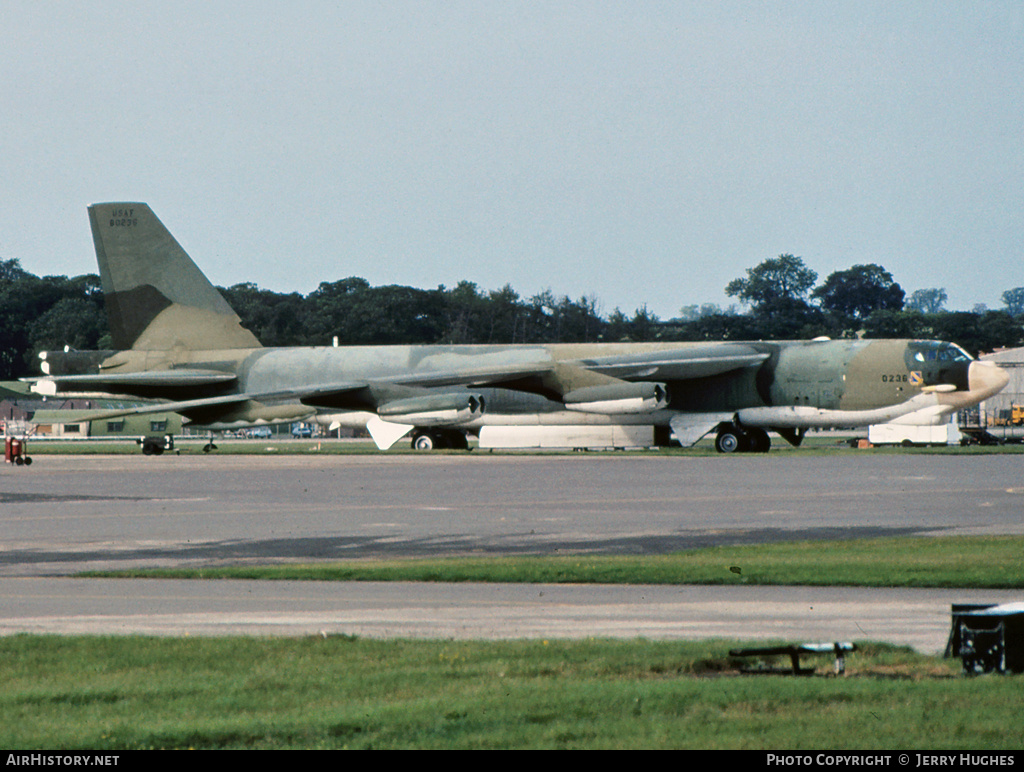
[(938, 351)]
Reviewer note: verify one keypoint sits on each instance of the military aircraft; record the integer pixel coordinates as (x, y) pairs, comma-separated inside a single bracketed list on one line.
[(178, 340)]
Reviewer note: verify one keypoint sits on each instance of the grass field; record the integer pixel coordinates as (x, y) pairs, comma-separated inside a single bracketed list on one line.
[(344, 692), (340, 692)]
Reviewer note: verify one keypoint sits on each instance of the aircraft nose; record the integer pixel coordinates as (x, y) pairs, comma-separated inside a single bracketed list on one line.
[(986, 378)]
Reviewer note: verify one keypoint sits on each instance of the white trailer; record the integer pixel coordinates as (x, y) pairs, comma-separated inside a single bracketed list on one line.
[(583, 437), (908, 434)]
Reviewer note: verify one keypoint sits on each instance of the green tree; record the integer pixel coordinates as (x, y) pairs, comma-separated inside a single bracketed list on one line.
[(72, 321), (723, 326), (543, 318), (273, 317), (13, 315), (1013, 299), (396, 314), (506, 316), (784, 278), (928, 301), (328, 311), (858, 291), (579, 320), (777, 291), (48, 312), (465, 313), (978, 333), (617, 327), (644, 325), (884, 323)]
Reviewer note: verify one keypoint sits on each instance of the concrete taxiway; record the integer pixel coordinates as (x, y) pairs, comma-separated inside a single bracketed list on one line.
[(917, 618), (65, 514)]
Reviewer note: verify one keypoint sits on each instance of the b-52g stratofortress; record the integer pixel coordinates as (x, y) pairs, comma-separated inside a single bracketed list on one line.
[(178, 340)]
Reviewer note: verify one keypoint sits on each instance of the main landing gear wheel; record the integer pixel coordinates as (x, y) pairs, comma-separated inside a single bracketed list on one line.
[(439, 439), (729, 440), (424, 441), (759, 441), (733, 439)]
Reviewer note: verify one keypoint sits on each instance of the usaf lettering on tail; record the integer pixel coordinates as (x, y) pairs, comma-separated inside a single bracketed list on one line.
[(178, 340)]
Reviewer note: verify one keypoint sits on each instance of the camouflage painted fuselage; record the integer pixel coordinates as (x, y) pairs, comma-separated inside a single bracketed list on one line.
[(847, 375)]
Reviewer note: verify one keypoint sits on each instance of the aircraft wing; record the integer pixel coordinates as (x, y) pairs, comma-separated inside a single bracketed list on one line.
[(181, 406), (479, 376), (672, 364), (226, 401), (126, 382), (679, 364)]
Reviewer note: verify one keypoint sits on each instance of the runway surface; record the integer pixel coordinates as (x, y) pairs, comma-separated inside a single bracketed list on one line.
[(68, 513)]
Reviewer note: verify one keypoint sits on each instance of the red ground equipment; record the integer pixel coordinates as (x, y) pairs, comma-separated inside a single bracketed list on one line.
[(14, 451)]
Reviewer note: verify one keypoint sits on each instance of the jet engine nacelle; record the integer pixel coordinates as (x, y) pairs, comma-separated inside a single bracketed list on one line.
[(618, 398), (433, 409)]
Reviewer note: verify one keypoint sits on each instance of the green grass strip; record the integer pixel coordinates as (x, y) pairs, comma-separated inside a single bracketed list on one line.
[(112, 693), (964, 562)]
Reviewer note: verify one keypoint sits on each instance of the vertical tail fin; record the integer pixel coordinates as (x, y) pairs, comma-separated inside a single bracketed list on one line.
[(157, 298)]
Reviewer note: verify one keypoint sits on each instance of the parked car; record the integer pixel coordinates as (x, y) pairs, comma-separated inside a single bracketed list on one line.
[(259, 433), (302, 430)]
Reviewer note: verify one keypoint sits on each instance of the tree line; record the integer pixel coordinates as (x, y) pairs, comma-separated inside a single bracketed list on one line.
[(864, 301), (779, 300)]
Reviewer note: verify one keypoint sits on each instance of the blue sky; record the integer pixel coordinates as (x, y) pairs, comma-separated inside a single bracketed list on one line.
[(638, 152)]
